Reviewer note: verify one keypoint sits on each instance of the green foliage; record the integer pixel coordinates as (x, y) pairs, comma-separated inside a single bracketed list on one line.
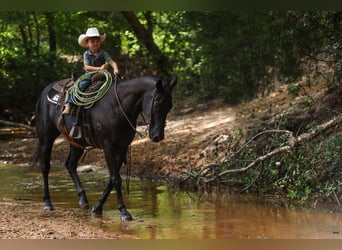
[(308, 101), (293, 89), (231, 55), (312, 170), (239, 52), (21, 90)]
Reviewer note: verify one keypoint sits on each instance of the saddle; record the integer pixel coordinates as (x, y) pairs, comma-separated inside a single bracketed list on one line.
[(57, 95), (61, 87)]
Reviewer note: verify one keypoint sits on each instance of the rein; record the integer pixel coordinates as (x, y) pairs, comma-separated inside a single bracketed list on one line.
[(129, 164), (120, 106), (129, 122)]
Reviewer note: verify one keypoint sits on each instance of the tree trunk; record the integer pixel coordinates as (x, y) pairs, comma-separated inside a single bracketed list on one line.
[(24, 39), (145, 35), (52, 33), (36, 23)]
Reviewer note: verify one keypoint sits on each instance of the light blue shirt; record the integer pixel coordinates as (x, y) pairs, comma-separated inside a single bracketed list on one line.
[(96, 60)]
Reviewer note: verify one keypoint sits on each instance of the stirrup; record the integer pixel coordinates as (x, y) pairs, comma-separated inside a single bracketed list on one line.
[(78, 130), (67, 109)]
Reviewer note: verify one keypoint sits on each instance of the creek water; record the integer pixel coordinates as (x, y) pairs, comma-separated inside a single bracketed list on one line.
[(161, 212)]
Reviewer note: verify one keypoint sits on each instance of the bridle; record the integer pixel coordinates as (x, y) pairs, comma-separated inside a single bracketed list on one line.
[(154, 96), (125, 115)]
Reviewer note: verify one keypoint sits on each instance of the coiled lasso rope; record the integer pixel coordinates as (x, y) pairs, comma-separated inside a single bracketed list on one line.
[(86, 98)]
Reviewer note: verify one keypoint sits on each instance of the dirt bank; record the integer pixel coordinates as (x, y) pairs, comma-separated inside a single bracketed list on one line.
[(25, 220)]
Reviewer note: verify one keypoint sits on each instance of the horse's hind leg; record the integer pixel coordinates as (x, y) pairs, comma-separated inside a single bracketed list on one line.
[(45, 148), (71, 164)]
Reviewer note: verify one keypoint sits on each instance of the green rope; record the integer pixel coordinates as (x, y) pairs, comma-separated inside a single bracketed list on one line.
[(82, 98)]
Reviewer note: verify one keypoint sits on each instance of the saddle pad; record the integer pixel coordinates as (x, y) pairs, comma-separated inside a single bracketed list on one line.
[(53, 96), (57, 88)]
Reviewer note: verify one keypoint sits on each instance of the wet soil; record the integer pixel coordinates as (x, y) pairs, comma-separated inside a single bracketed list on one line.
[(25, 220), (190, 131)]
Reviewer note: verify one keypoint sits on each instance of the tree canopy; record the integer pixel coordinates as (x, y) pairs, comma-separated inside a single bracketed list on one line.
[(230, 54)]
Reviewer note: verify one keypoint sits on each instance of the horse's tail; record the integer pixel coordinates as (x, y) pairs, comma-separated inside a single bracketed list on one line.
[(35, 156)]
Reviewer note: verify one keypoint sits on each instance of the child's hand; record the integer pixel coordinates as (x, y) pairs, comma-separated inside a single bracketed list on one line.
[(104, 66)]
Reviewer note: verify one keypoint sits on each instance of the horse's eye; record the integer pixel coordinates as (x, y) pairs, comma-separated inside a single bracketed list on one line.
[(156, 106)]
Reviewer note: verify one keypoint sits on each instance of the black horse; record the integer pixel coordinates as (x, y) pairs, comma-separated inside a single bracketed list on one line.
[(112, 120)]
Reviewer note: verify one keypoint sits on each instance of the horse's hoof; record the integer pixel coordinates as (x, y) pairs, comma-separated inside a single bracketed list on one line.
[(83, 202), (126, 217), (96, 210), (84, 206), (49, 208)]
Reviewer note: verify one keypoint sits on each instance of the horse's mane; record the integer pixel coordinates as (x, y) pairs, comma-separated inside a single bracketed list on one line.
[(143, 81), (136, 84)]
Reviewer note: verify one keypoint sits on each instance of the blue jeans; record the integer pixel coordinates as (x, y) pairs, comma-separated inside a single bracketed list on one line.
[(81, 86)]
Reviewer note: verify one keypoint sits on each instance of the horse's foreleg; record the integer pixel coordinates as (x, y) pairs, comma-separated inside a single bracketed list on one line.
[(97, 209), (114, 181), (114, 163), (71, 164), (125, 215)]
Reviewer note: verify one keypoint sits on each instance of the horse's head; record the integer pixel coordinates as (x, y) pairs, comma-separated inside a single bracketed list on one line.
[(157, 106)]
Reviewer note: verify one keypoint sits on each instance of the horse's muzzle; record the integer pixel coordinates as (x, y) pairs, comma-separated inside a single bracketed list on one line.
[(156, 134), (157, 138)]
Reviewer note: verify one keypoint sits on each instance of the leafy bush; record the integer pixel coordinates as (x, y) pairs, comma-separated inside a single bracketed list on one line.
[(21, 89), (313, 170)]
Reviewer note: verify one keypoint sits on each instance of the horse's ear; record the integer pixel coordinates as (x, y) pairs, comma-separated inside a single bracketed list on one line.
[(159, 85), (173, 82), (168, 87)]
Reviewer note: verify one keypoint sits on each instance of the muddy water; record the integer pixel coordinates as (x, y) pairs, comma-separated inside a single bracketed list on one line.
[(163, 213)]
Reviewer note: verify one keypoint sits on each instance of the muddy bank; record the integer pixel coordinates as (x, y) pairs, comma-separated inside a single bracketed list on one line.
[(26, 220)]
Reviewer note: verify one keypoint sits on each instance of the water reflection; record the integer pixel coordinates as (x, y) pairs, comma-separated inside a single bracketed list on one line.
[(163, 213)]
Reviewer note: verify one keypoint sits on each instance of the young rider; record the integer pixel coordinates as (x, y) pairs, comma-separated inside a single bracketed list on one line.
[(94, 58)]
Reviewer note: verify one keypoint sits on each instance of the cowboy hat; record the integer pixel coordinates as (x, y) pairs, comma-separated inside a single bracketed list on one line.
[(91, 32)]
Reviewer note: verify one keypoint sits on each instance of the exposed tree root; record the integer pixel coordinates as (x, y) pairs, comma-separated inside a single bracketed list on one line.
[(211, 172)]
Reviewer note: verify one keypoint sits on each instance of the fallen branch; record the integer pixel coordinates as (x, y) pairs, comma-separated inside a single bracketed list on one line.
[(256, 161), (14, 124), (290, 144), (272, 131)]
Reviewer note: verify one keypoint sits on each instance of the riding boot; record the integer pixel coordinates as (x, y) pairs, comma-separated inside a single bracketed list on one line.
[(67, 109)]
